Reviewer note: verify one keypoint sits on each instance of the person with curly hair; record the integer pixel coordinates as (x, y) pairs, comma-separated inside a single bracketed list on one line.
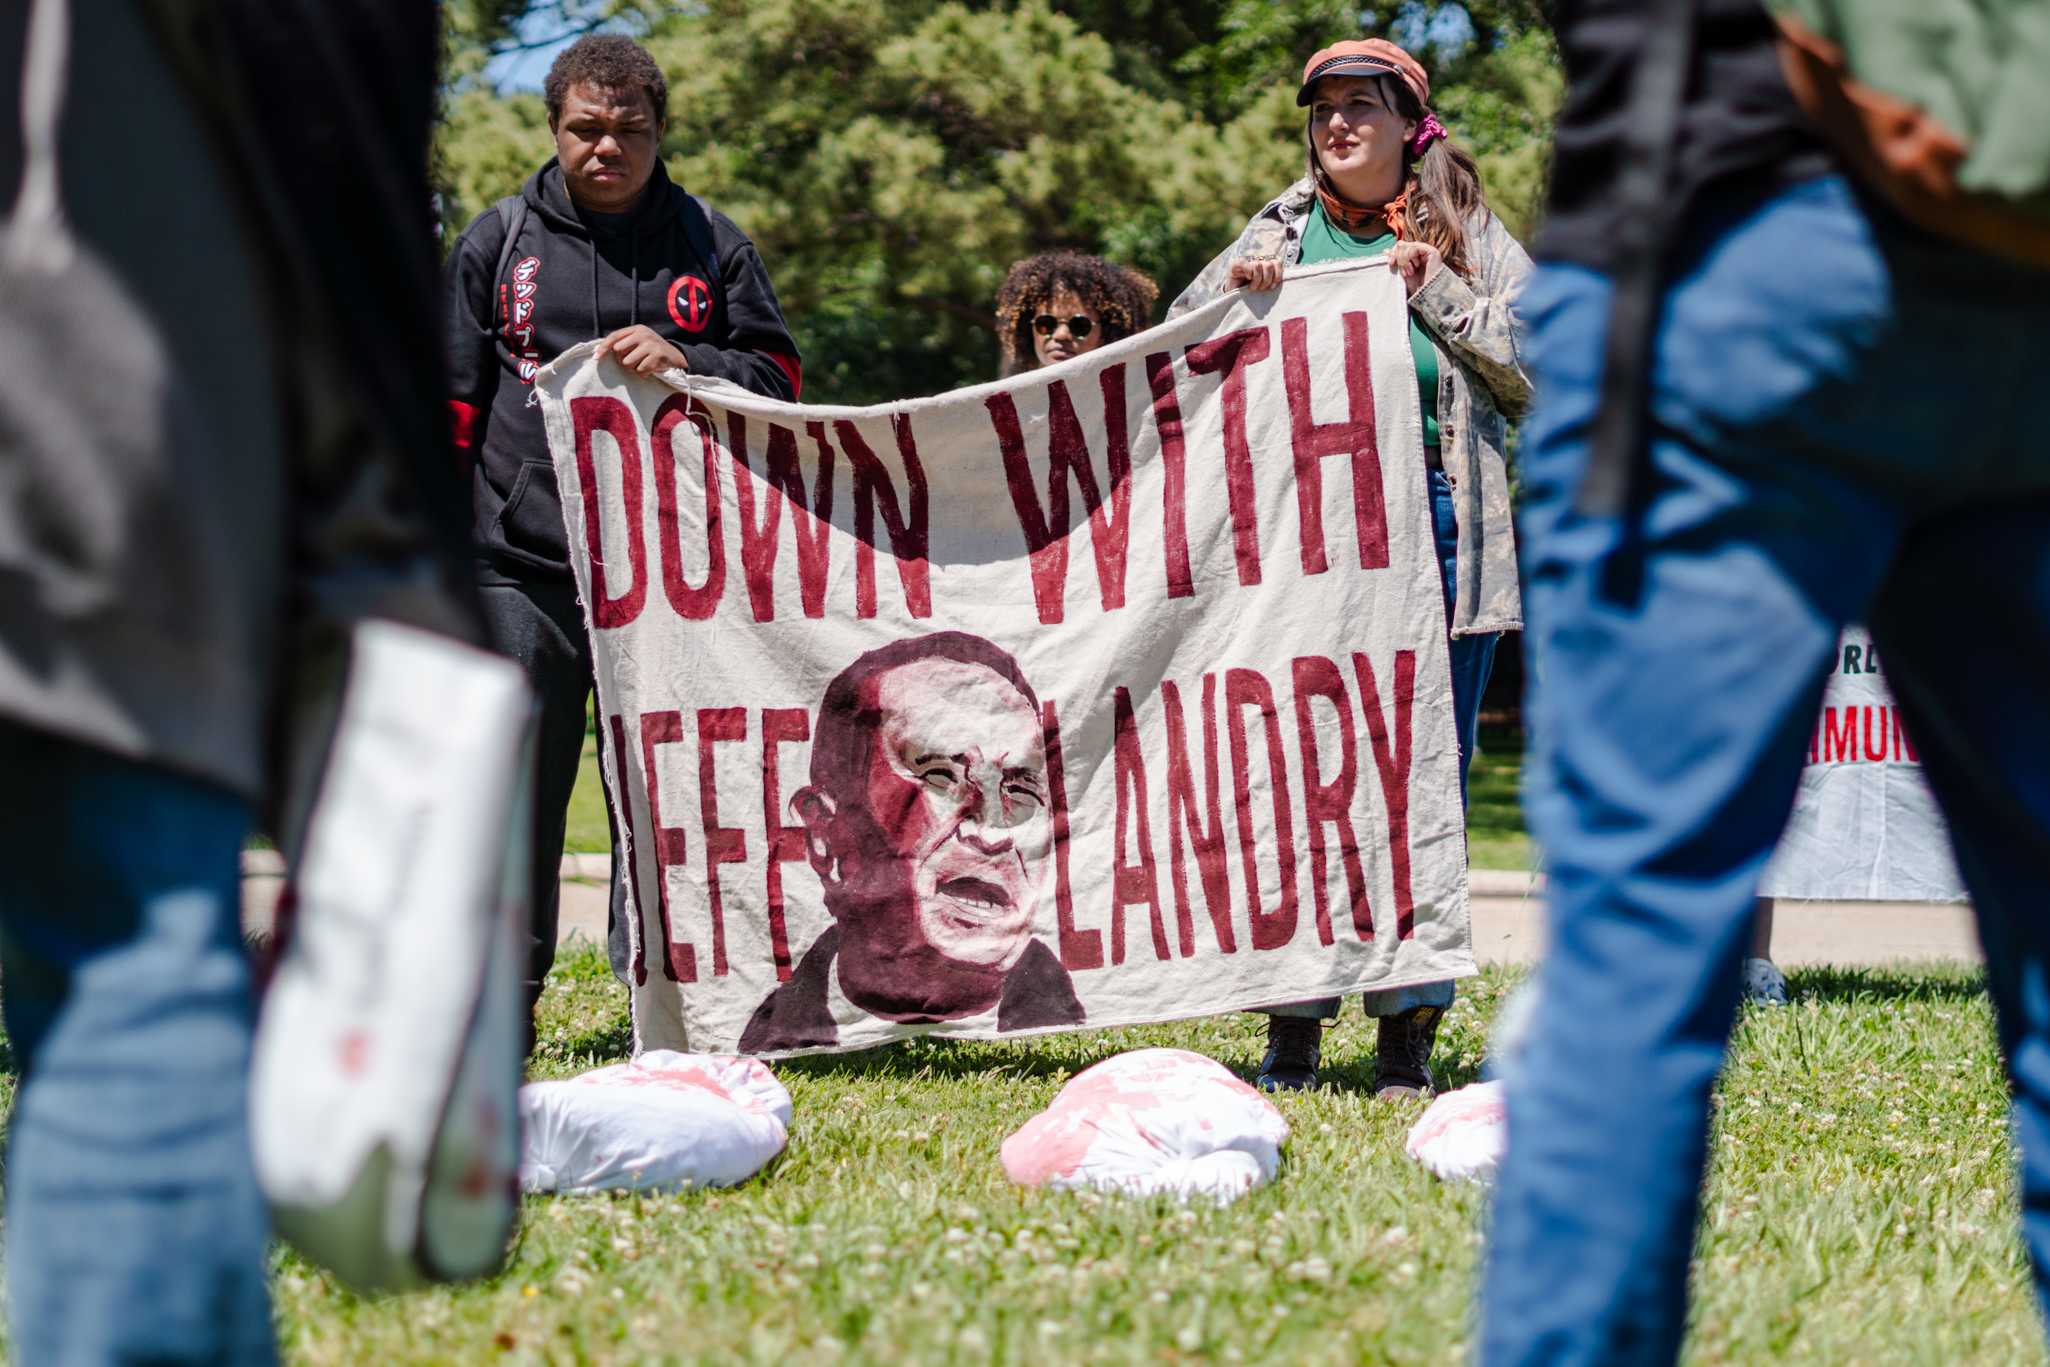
[(1385, 181), (1057, 305)]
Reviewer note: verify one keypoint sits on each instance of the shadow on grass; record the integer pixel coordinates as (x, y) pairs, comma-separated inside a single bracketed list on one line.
[(929, 1059), (1495, 787), (1063, 1056), (1949, 984), (613, 1041)]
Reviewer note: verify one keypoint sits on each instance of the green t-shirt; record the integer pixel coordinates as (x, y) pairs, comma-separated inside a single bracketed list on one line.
[(1324, 240)]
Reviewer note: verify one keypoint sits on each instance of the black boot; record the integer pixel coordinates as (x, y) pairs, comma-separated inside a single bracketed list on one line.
[(1295, 1045), (1402, 1053)]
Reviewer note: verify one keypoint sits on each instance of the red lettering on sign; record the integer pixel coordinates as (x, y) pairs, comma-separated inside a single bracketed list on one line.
[(1835, 739), (723, 844), (813, 529), (785, 844), (699, 602), (1353, 436), (1182, 819), (1839, 742), (1174, 513), (679, 961), (757, 539), (1245, 688), (1132, 883), (1047, 525), (906, 522), (1080, 949), (1232, 354), (784, 483), (1329, 802), (1391, 759), (601, 413)]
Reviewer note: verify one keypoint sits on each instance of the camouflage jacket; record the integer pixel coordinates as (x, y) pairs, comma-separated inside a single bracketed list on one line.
[(1485, 386)]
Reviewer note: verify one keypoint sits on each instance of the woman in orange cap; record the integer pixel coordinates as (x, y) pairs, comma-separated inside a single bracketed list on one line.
[(1385, 180)]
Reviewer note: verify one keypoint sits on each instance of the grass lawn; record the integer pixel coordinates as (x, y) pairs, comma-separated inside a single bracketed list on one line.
[(1495, 838), (588, 832), (1861, 1209), (1495, 834)]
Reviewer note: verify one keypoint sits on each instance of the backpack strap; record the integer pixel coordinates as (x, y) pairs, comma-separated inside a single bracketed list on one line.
[(1615, 480), (512, 217), (697, 232)]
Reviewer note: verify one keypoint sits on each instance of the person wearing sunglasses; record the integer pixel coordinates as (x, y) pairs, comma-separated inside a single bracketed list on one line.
[(1058, 305), (1386, 181)]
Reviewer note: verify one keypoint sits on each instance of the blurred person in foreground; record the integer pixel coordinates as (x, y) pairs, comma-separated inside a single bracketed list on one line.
[(221, 440), (1385, 181), (599, 244), (1058, 305), (1835, 419)]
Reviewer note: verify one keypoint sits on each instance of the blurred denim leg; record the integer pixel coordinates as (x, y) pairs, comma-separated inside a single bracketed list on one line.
[(1668, 736), (1961, 625), (135, 1231)]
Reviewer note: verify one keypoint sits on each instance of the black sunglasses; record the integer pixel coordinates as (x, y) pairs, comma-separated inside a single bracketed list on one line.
[(1078, 327)]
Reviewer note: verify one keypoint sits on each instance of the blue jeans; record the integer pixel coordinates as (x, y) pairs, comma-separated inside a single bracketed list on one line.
[(134, 1228), (1473, 658), (1846, 425)]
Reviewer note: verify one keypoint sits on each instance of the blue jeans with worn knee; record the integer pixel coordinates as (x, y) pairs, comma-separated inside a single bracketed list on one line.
[(1473, 659), (135, 1231), (1845, 425)]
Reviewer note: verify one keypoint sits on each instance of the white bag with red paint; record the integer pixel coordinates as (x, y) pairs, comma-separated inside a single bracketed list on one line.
[(1149, 1122), (1463, 1135), (665, 1120), (387, 1058)]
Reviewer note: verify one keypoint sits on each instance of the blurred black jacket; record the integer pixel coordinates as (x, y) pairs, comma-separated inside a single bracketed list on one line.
[(222, 436)]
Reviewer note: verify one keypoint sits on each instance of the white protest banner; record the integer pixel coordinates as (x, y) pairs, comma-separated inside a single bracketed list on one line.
[(1865, 827), (1113, 692)]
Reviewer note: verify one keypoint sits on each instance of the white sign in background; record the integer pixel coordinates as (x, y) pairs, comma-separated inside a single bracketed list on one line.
[(1865, 827)]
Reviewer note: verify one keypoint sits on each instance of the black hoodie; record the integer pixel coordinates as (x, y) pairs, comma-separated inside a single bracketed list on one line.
[(570, 278)]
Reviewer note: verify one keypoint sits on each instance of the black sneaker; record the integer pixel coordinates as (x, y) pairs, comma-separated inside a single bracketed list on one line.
[(1402, 1054), (1295, 1045)]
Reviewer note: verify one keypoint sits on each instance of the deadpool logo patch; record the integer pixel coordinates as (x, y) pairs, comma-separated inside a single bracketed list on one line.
[(690, 303)]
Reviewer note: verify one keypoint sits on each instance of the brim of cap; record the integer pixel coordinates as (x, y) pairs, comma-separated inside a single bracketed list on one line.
[(1345, 66)]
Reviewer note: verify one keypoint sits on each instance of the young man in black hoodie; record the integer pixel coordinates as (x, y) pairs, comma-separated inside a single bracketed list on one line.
[(600, 243)]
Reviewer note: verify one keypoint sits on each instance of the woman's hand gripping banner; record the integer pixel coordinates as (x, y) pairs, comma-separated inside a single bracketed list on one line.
[(1112, 692)]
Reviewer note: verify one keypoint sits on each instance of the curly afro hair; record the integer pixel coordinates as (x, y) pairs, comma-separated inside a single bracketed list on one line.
[(610, 62), (1120, 296)]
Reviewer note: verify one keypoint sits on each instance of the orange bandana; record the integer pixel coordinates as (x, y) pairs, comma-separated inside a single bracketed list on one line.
[(1358, 221)]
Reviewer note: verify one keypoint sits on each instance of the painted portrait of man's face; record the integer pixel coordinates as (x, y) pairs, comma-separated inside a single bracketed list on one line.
[(957, 783), (931, 834)]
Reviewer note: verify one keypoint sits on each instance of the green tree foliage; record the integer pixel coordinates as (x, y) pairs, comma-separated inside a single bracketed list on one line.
[(891, 158)]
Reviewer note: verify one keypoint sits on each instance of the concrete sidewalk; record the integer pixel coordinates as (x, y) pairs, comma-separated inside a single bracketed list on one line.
[(1507, 918)]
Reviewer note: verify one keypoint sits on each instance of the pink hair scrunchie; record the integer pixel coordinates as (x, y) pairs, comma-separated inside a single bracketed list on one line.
[(1430, 128)]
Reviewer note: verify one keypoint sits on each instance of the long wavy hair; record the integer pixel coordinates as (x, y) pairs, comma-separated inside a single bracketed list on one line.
[(1121, 297), (1441, 185)]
